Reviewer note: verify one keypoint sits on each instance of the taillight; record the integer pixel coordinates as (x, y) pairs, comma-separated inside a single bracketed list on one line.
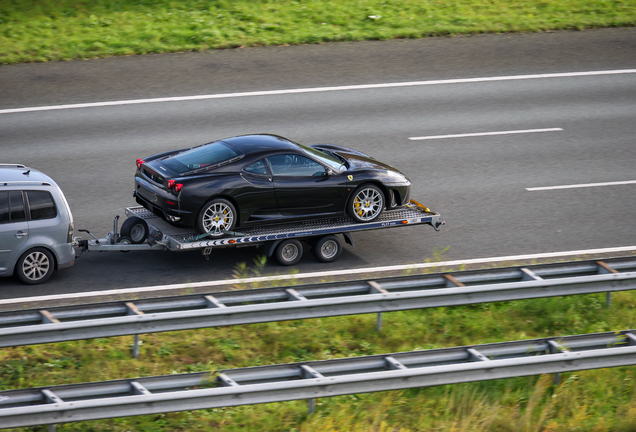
[(139, 163), (69, 237), (174, 186)]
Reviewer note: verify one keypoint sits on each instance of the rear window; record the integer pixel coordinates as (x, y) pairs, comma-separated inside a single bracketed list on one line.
[(41, 205), (207, 155)]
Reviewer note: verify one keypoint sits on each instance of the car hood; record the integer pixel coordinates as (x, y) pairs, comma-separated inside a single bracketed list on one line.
[(357, 160)]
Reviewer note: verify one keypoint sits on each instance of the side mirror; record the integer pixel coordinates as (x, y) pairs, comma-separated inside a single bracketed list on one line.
[(330, 172)]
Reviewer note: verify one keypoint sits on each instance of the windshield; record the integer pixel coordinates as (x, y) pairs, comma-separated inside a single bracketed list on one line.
[(324, 158), (207, 155)]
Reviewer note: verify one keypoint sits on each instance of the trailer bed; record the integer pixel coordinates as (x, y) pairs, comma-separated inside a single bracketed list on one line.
[(181, 239)]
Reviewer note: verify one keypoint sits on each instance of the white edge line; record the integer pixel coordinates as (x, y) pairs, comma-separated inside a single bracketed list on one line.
[(585, 185), (313, 275), (485, 134), (319, 89)]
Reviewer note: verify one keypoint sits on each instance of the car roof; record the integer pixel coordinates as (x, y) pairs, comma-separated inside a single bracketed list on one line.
[(261, 143), (16, 173)]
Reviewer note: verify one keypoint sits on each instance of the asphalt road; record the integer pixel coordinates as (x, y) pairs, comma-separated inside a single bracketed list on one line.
[(478, 183)]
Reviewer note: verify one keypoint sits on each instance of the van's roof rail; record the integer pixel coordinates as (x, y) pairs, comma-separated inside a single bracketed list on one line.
[(13, 165), (13, 183)]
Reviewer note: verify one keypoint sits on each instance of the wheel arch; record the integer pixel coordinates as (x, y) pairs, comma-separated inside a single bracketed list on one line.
[(385, 191), (225, 197), (31, 247), (35, 246)]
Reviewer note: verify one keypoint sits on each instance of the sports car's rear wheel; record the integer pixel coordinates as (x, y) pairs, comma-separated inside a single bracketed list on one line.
[(366, 203), (216, 218)]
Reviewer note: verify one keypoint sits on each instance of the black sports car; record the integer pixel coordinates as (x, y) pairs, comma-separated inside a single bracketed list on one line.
[(258, 179)]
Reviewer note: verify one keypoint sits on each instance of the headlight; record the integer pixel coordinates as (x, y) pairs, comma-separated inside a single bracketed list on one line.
[(397, 177)]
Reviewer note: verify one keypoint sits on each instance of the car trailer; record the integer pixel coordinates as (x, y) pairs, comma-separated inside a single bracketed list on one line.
[(143, 230)]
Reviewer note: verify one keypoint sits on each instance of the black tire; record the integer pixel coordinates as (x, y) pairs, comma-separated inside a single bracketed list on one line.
[(35, 266), (136, 229), (216, 217), (327, 249), (289, 252), (366, 203), (124, 240)]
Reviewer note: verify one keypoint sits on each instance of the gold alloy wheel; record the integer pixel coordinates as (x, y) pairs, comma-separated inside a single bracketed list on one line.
[(368, 204), (218, 218)]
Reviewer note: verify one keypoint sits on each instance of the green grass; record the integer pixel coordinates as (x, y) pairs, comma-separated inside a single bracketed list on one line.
[(598, 400), (45, 30)]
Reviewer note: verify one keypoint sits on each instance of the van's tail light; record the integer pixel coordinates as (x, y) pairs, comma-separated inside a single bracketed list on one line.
[(69, 237), (139, 163)]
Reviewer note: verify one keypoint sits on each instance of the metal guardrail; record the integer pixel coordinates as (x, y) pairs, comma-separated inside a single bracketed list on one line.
[(314, 379), (313, 301)]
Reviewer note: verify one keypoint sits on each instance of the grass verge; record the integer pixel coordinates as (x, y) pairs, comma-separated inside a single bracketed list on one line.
[(45, 30)]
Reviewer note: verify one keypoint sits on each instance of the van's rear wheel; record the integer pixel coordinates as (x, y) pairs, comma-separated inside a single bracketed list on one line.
[(35, 266)]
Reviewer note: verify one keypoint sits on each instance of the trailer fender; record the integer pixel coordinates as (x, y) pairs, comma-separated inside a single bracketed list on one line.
[(270, 246), (348, 239)]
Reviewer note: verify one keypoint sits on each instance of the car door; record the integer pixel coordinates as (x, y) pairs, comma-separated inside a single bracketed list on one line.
[(306, 187), (258, 200), (14, 230)]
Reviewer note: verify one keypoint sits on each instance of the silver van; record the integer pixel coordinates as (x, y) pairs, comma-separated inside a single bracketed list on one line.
[(36, 225)]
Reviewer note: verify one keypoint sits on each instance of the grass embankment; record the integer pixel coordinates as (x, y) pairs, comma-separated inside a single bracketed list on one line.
[(598, 400), (44, 30)]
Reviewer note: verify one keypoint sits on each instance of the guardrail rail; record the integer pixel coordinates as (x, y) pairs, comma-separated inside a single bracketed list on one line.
[(314, 379), (313, 301)]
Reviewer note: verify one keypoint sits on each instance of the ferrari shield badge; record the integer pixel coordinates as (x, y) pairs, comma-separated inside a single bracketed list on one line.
[(350, 177)]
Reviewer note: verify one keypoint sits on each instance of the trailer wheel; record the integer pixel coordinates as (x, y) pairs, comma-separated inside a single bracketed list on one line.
[(289, 252), (366, 203), (328, 248), (136, 229), (35, 266), (124, 241)]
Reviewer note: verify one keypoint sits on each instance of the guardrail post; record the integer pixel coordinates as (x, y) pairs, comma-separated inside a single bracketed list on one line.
[(52, 428), (136, 347), (307, 372), (603, 268), (134, 310), (375, 288), (555, 347)]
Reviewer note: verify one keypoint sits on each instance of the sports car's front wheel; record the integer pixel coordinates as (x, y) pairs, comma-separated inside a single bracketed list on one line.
[(366, 203), (216, 218)]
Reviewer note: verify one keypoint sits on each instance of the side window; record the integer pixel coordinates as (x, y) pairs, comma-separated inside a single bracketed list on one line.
[(257, 168), (292, 165), (41, 205), (16, 207), (4, 207)]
